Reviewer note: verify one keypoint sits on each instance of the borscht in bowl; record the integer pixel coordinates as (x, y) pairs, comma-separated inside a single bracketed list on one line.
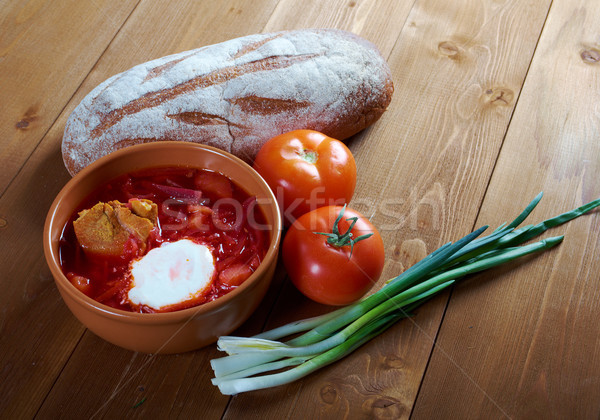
[(163, 239), (163, 247)]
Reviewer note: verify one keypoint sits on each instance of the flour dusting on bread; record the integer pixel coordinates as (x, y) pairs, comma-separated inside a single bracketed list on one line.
[(235, 95)]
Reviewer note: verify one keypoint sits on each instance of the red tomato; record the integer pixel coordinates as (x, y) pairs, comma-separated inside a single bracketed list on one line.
[(306, 170), (327, 273)]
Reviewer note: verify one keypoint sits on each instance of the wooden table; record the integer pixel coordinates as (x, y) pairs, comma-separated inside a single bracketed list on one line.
[(495, 100)]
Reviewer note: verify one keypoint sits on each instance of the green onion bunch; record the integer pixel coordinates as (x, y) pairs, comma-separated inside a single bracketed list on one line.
[(330, 337)]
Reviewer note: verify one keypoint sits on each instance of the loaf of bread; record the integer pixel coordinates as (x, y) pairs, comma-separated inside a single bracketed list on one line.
[(235, 95)]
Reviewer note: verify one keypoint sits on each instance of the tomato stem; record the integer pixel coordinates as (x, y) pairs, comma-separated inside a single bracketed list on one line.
[(339, 240), (309, 155)]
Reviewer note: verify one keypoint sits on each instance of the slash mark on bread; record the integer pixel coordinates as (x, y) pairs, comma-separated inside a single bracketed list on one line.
[(134, 141), (158, 70), (200, 118), (267, 106), (254, 46), (153, 99)]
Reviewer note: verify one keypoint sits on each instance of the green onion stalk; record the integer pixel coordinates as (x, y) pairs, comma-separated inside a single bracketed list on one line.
[(332, 336)]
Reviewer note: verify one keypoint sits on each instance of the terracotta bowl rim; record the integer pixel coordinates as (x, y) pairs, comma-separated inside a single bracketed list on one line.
[(216, 305)]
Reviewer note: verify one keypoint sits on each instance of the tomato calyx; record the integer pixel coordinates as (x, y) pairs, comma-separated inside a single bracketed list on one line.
[(308, 155), (339, 240)]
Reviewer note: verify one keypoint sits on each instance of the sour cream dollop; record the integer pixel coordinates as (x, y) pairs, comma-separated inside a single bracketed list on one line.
[(172, 273)]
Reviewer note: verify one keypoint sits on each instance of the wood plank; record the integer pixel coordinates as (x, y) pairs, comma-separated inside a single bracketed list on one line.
[(37, 331), (93, 364), (522, 342), (37, 82), (46, 50), (456, 82), (379, 22)]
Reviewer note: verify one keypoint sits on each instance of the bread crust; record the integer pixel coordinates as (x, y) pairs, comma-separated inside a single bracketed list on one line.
[(235, 95)]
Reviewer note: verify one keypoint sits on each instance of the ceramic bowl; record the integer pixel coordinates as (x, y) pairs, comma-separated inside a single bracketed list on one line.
[(171, 332)]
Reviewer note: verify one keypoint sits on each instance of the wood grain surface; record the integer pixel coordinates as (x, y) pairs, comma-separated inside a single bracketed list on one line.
[(495, 101)]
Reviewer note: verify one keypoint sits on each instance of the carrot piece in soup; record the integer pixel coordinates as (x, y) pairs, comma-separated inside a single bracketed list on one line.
[(235, 275), (212, 183), (80, 282), (199, 219)]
